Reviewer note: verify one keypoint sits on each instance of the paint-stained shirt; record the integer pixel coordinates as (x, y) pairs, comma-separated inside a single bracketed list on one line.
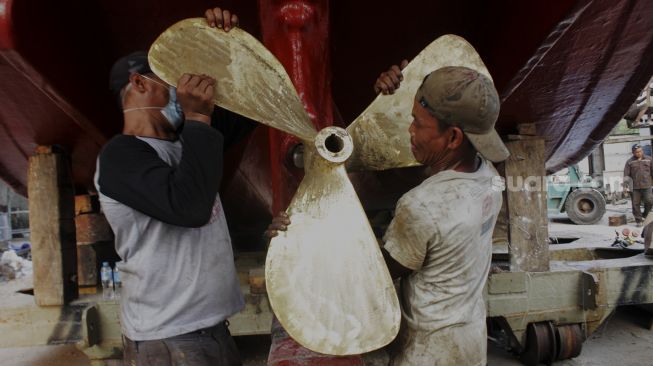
[(442, 230), (640, 172)]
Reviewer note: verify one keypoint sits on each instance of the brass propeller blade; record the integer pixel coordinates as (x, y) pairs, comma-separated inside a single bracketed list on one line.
[(326, 278), (380, 133), (250, 80)]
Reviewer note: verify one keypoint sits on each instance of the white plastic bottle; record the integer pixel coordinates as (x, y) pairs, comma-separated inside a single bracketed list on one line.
[(106, 276), (117, 282)]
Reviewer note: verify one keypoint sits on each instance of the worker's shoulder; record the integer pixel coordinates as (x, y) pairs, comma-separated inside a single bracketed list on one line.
[(121, 140), (646, 160), (120, 145), (429, 194)]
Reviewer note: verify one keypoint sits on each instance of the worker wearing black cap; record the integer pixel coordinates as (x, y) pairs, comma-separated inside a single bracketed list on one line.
[(158, 184), (638, 173)]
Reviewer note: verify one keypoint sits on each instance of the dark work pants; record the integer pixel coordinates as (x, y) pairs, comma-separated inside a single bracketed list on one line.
[(637, 197), (206, 347)]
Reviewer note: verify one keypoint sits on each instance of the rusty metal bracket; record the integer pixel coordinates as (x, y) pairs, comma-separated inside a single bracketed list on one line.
[(589, 289)]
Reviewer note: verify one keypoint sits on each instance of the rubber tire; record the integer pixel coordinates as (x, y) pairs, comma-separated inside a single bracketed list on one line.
[(587, 196)]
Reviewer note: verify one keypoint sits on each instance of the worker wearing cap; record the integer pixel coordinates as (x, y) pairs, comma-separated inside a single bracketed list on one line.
[(158, 185), (638, 173), (440, 240)]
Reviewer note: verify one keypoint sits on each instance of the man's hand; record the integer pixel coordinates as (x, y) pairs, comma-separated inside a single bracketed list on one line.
[(224, 19), (389, 81), (279, 223), (195, 94)]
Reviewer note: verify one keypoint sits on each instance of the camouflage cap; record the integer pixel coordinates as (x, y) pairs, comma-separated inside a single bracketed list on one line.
[(465, 98)]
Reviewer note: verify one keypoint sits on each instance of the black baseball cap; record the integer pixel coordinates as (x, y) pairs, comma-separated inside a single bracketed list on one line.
[(134, 63)]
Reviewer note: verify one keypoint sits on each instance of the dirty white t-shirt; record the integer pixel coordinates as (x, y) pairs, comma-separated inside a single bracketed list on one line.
[(442, 230)]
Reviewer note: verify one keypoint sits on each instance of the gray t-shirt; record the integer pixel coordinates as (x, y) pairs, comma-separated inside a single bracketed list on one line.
[(175, 279)]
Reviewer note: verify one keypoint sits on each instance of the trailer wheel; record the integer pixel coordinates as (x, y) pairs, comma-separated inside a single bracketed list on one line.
[(585, 206), (569, 340), (541, 346)]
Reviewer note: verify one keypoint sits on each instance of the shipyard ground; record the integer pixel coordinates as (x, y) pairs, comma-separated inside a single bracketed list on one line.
[(624, 339)]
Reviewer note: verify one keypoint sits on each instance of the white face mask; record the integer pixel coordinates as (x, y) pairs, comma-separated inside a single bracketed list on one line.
[(172, 112)]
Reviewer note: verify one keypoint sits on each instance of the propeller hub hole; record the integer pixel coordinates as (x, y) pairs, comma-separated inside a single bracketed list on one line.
[(334, 144)]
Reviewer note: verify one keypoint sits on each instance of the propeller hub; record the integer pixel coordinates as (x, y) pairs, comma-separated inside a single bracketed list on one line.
[(334, 144)]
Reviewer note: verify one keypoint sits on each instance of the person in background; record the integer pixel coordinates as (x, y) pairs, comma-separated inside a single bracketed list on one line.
[(638, 173), (158, 184)]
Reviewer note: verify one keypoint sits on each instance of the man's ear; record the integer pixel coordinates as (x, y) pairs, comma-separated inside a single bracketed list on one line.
[(456, 137), (137, 82)]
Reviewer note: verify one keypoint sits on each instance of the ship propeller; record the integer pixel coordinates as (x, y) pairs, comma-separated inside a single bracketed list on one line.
[(326, 278)]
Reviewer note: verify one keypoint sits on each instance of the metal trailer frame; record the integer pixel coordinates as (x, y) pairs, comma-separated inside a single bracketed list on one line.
[(580, 290)]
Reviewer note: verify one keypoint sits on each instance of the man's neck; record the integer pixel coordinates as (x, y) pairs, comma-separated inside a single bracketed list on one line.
[(469, 164), (148, 125)]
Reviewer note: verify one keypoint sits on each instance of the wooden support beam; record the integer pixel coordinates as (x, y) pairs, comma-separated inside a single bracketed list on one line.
[(93, 228), (85, 203), (93, 234), (87, 269), (51, 216), (526, 209), (257, 281)]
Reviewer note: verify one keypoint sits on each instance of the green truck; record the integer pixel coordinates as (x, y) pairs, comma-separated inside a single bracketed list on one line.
[(577, 196)]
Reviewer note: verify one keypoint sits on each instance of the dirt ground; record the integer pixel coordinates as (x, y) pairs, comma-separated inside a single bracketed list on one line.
[(623, 339)]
